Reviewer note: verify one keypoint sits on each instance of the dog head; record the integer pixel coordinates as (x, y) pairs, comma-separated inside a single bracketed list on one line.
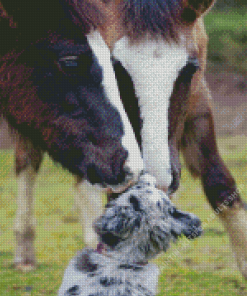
[(141, 222)]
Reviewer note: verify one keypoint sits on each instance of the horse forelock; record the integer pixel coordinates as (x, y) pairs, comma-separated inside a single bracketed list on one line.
[(156, 17)]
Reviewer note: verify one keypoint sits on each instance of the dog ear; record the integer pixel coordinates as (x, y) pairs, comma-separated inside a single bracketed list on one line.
[(184, 223), (194, 9)]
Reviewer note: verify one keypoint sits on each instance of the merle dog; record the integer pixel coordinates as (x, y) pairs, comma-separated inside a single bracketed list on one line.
[(134, 228)]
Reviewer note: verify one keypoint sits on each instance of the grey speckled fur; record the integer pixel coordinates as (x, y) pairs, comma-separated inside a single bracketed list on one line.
[(134, 228)]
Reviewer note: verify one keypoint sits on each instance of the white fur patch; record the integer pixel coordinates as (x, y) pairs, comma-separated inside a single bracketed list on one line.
[(154, 67), (102, 52), (108, 267)]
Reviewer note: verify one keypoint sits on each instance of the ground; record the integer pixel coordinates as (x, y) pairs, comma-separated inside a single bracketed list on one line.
[(229, 92)]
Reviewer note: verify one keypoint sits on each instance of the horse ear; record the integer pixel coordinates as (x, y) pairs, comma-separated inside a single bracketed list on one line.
[(194, 9)]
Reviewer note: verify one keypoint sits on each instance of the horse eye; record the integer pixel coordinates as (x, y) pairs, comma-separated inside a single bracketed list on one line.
[(85, 62), (77, 65)]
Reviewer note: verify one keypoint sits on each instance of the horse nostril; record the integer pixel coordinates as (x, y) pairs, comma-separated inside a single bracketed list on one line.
[(135, 202)]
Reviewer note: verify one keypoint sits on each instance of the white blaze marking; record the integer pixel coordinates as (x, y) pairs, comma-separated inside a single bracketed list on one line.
[(153, 67), (103, 55)]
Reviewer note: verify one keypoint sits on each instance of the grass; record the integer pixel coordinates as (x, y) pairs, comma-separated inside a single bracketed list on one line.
[(201, 267), (227, 39)]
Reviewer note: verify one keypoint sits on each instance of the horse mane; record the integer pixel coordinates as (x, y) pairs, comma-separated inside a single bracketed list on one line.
[(163, 18)]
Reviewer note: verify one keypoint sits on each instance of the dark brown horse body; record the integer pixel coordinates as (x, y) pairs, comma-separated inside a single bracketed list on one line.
[(127, 28)]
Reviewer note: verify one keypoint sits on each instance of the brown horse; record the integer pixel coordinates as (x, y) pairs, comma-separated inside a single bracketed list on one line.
[(157, 46)]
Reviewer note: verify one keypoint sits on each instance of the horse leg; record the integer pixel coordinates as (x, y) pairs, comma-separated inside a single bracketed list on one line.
[(203, 160), (27, 161), (88, 200)]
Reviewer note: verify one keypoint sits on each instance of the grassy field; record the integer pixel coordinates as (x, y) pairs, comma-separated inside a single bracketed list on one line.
[(201, 267)]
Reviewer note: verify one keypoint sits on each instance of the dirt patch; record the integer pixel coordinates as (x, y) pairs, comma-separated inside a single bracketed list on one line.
[(229, 96)]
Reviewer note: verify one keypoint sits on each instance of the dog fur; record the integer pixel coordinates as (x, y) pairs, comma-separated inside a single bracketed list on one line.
[(135, 227)]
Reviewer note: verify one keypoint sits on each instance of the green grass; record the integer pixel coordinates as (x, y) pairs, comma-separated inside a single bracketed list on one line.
[(201, 267), (227, 39)]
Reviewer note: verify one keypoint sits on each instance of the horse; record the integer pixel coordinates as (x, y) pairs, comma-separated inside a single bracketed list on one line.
[(57, 99), (158, 51)]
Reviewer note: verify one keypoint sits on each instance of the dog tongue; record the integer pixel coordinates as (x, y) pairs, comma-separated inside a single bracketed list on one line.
[(100, 248)]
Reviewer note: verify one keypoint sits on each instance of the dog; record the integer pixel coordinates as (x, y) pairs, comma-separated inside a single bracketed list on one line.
[(135, 227)]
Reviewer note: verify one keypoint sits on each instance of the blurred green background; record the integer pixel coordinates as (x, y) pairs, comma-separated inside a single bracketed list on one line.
[(226, 26), (227, 30)]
